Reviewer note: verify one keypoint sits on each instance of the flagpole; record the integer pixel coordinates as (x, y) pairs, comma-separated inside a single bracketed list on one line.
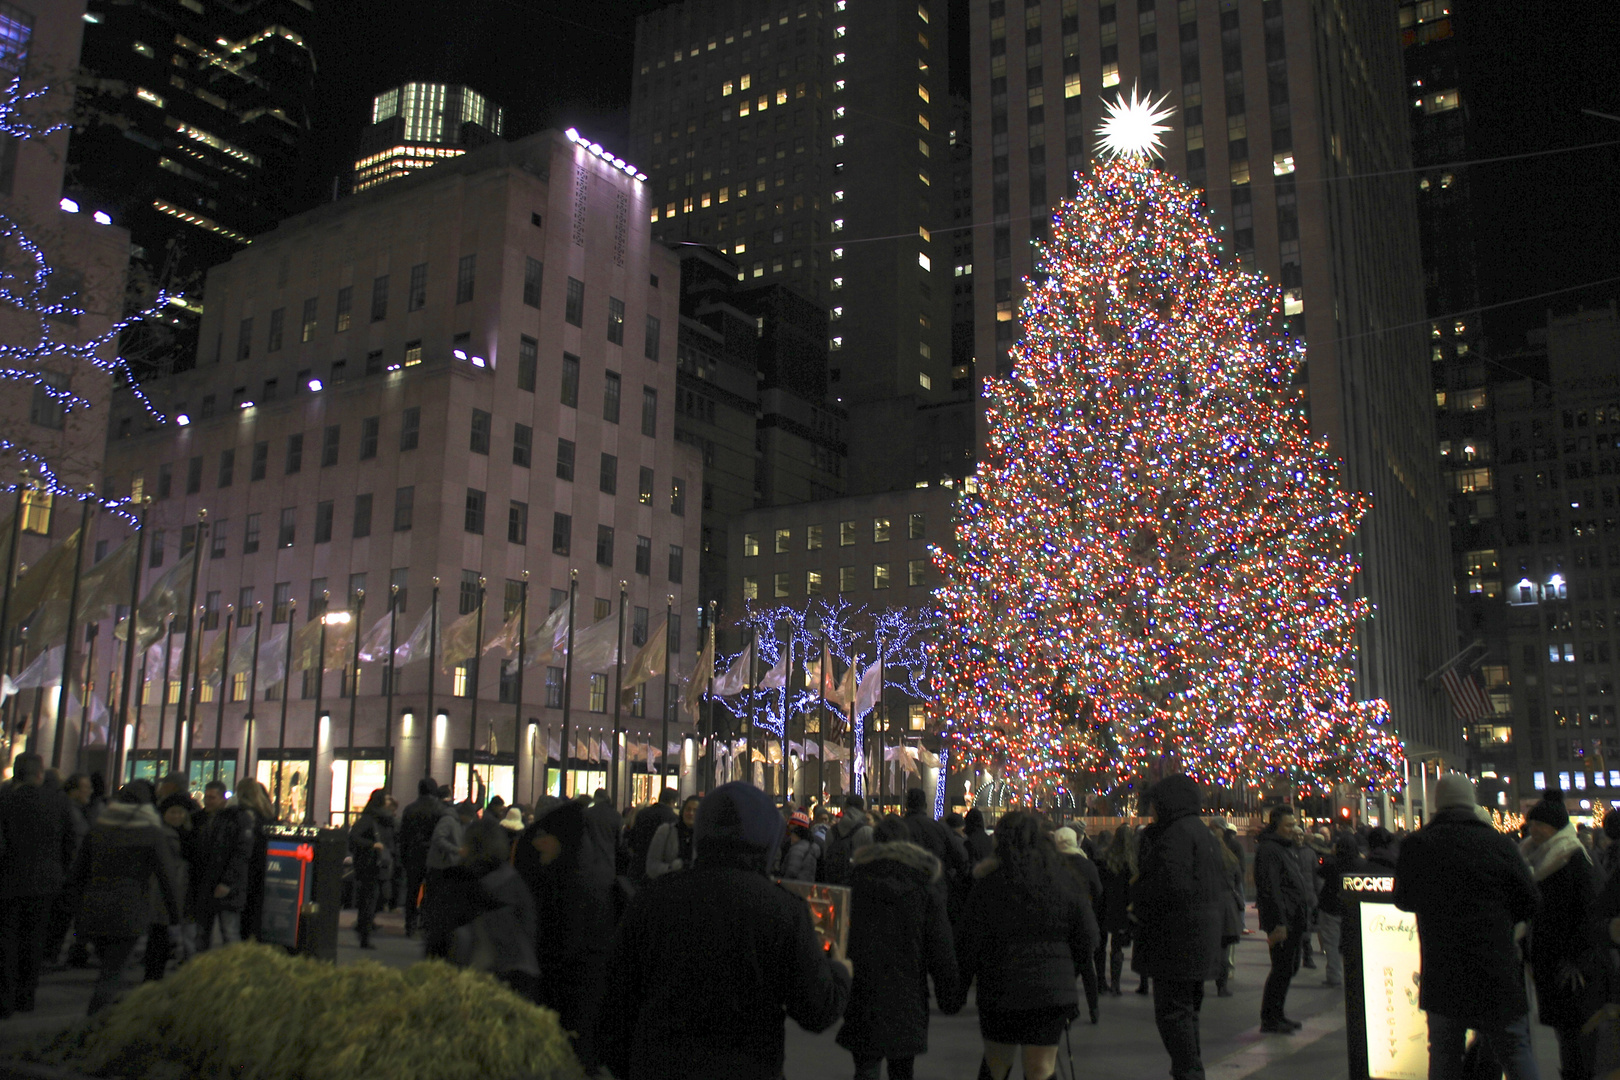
[(249, 724), (140, 701), (192, 696), (787, 689), (618, 688), (224, 681), (320, 696), (353, 680), (565, 750), (709, 675), (185, 656), (821, 721), (882, 726), (472, 689), (67, 645), (86, 685), (286, 692), (388, 674), (663, 747), (116, 749), (519, 741), (5, 596), (163, 698), (753, 718), (433, 666)]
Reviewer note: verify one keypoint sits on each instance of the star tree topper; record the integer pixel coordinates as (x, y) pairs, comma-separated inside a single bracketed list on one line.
[(1131, 126)]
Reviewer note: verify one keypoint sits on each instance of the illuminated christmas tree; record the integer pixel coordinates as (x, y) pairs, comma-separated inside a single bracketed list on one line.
[(1155, 573)]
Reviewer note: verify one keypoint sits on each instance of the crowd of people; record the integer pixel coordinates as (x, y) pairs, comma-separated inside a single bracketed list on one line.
[(585, 910)]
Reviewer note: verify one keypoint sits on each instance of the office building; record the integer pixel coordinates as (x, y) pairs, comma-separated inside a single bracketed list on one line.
[(418, 125), (464, 375), (808, 141), (1291, 117), (193, 130)]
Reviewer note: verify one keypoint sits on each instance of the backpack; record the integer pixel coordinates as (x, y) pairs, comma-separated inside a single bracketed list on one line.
[(833, 868)]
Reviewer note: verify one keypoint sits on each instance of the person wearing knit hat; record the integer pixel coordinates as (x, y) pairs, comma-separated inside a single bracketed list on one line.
[(799, 860), (1469, 887), (1560, 932), (745, 950)]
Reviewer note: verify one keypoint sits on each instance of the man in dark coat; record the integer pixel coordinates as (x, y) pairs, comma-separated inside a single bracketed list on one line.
[(1468, 886), (935, 837), (1177, 899), (1283, 900), (224, 844), (416, 825), (745, 950), (604, 831), (1567, 961), (37, 844), (645, 827)]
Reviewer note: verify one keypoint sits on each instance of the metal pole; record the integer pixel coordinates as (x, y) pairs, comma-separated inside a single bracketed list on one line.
[(709, 755), (821, 720), (663, 747), (472, 689), (787, 690), (224, 681), (193, 695), (286, 692), (163, 698), (88, 684), (116, 750), (618, 687), (520, 741), (883, 727), (753, 719), (140, 701), (67, 645), (566, 750), (249, 723), (320, 696), (11, 576), (353, 679), (433, 667), (388, 673), (185, 656)]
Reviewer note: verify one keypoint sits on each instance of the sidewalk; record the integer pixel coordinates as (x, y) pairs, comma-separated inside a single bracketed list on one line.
[(1124, 1046)]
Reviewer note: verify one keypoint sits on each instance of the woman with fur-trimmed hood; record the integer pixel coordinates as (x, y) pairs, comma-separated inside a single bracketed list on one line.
[(899, 936), (1565, 963)]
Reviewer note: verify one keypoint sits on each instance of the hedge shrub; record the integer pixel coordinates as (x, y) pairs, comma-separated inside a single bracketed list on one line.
[(251, 1012)]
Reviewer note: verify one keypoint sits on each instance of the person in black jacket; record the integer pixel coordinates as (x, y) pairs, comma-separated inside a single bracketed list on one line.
[(1285, 914), (745, 949), (935, 837), (1468, 886), (38, 842), (641, 832), (899, 936), (1177, 899), (1080, 865), (979, 844), (369, 843), (1232, 909), (482, 915), (1330, 906), (416, 825), (1566, 961), (219, 878), (1027, 930), (1116, 869)]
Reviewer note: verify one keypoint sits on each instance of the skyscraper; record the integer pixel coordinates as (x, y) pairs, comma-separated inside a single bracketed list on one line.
[(421, 124), (193, 125), (807, 140), (1291, 117)]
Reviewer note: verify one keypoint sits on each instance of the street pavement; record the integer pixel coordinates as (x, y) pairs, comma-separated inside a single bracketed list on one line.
[(1124, 1046)]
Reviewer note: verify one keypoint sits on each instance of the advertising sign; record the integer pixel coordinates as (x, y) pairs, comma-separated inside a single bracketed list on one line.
[(1388, 1033), (286, 884)]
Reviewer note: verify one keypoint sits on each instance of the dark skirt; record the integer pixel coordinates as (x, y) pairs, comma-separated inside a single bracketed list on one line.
[(1026, 1027)]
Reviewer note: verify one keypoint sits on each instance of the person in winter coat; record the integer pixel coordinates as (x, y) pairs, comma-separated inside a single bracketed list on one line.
[(935, 837), (1232, 908), (482, 914), (1281, 896), (574, 907), (1565, 961), (979, 844), (1330, 906), (799, 860), (370, 843), (256, 798), (79, 791), (415, 836), (1080, 865), (124, 855), (38, 842), (1026, 934), (164, 940), (746, 950), (644, 831), (899, 937), (851, 832), (1468, 886), (1116, 870), (671, 846), (1178, 898), (444, 848), (219, 877)]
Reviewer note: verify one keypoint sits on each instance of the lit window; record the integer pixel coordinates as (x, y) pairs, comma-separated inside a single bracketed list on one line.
[(750, 588), (149, 97), (1110, 75), (840, 31), (1071, 85), (1293, 301), (838, 112), (812, 582), (745, 82), (726, 88), (880, 575), (838, 58), (922, 91), (924, 261), (837, 312), (838, 84), (838, 196), (1441, 101), (924, 381), (838, 225), (922, 174), (781, 97), (784, 537), (838, 139), (922, 13), (1282, 164), (837, 253), (750, 544), (836, 343), (838, 283), (780, 586), (916, 715)]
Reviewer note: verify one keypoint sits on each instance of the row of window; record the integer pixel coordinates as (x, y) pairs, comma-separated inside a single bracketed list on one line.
[(848, 534), (849, 580)]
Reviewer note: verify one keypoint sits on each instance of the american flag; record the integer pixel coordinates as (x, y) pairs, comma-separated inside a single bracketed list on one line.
[(1468, 700)]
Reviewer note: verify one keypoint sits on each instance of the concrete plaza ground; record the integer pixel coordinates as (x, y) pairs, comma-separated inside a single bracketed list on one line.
[(1124, 1046)]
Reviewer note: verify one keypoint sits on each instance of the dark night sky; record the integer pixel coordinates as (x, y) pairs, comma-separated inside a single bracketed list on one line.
[(1542, 224)]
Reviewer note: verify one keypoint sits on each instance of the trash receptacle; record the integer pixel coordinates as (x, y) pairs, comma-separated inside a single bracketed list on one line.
[(303, 883)]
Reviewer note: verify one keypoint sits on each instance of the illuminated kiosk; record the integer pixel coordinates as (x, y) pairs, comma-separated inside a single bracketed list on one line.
[(1387, 1034)]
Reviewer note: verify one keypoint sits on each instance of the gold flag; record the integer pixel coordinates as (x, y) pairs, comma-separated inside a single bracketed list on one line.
[(306, 644), (106, 585), (459, 641), (698, 684), (507, 638), (51, 578), (649, 661)]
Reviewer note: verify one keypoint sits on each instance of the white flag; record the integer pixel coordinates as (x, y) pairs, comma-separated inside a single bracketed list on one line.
[(777, 677), (736, 678)]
